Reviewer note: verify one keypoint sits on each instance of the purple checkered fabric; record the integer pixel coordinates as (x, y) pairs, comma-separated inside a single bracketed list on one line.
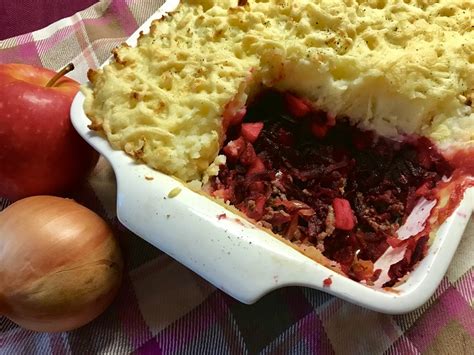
[(165, 308)]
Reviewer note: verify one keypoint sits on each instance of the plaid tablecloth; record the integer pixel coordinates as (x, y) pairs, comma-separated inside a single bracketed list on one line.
[(165, 308)]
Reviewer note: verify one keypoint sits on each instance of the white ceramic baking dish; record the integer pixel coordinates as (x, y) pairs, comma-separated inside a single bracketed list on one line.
[(234, 255)]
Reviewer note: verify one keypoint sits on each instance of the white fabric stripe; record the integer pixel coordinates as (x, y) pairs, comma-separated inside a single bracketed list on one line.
[(53, 28), (15, 41), (93, 12)]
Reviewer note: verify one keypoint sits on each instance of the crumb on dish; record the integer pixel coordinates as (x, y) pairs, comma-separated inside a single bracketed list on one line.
[(327, 282), (174, 192)]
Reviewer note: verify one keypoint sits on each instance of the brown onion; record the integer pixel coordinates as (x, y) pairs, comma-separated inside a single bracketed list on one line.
[(60, 266)]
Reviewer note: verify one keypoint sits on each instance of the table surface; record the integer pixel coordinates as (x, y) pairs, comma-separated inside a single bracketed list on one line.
[(163, 307)]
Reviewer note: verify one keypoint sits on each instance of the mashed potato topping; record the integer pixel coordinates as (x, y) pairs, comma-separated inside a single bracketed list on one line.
[(398, 67)]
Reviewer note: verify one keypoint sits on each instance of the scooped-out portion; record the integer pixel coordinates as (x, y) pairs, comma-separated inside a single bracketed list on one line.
[(326, 184)]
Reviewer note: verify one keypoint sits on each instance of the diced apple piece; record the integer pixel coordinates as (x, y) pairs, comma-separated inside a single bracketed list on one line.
[(296, 106), (248, 156), (234, 149), (251, 131), (235, 118), (343, 214)]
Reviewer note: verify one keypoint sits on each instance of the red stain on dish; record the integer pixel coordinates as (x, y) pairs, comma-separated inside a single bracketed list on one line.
[(327, 282), (239, 221), (462, 215), (347, 192), (221, 216)]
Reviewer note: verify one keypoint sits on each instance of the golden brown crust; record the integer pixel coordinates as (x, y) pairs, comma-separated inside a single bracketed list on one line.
[(95, 126), (470, 99), (92, 75), (116, 54)]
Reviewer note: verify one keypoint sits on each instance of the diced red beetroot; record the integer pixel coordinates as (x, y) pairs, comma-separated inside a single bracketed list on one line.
[(297, 107), (256, 167), (248, 156), (234, 148), (344, 216), (251, 131), (319, 130), (285, 137)]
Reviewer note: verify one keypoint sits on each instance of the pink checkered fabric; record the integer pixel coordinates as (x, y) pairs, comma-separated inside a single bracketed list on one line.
[(165, 308)]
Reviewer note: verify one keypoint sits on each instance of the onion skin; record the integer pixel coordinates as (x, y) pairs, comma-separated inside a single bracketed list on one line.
[(60, 266)]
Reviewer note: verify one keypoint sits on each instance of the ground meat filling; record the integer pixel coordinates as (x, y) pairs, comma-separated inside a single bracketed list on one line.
[(316, 181)]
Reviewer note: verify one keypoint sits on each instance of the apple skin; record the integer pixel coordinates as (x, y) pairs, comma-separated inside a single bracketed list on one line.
[(40, 151)]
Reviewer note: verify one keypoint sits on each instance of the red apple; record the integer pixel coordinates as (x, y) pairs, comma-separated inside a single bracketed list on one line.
[(40, 152)]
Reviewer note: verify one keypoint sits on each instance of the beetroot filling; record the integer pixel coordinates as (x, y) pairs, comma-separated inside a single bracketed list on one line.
[(317, 181)]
